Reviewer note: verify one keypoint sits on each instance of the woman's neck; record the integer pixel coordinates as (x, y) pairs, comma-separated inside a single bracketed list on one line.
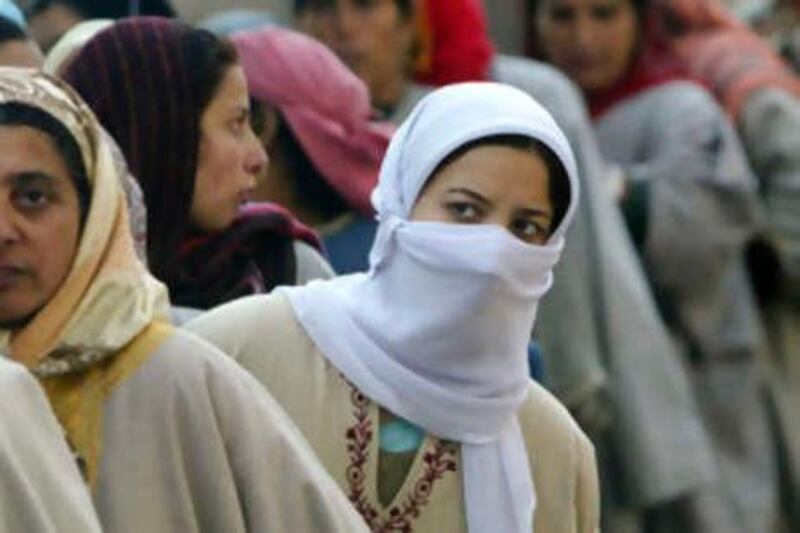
[(389, 96)]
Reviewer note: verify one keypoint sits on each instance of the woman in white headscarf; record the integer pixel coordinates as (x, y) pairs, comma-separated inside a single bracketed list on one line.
[(411, 381)]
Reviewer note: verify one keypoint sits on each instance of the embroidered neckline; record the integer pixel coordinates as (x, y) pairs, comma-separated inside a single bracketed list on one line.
[(398, 518)]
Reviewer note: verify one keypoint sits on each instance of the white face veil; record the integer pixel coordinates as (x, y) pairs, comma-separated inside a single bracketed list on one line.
[(437, 331)]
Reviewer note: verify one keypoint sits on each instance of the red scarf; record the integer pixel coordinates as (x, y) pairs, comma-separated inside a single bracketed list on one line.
[(454, 42), (651, 69)]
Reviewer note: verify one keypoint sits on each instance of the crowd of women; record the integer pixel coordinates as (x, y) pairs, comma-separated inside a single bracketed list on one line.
[(360, 271)]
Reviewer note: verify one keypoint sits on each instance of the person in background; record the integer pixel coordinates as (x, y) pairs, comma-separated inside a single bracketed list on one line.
[(689, 198), (376, 40), (188, 140), (40, 486), (607, 354), (17, 49), (325, 149), (411, 380), (50, 19), (761, 96), (168, 433)]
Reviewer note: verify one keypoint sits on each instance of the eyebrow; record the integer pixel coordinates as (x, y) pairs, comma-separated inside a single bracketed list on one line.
[(535, 212), (29, 177), (472, 194), (525, 211)]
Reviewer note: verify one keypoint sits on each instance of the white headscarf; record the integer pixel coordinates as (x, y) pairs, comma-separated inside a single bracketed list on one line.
[(437, 331)]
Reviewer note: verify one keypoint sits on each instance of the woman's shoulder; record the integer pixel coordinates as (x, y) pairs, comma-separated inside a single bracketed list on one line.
[(675, 114), (183, 358), (563, 465), (310, 263), (13, 376), (263, 335), (549, 427), (680, 95), (248, 323), (19, 393), (188, 376), (535, 77)]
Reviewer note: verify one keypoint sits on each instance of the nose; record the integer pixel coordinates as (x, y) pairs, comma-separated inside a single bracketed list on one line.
[(345, 19), (498, 215), (584, 32), (9, 232), (256, 160)]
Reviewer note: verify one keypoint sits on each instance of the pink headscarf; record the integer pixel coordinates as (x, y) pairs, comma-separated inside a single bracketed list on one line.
[(325, 105), (727, 56)]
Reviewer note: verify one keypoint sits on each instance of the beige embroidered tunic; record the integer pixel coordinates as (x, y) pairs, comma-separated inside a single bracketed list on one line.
[(342, 425)]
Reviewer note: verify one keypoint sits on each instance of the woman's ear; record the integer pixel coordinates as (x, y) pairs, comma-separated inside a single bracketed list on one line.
[(268, 131)]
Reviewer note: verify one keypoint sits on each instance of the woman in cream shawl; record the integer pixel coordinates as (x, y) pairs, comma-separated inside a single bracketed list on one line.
[(169, 435)]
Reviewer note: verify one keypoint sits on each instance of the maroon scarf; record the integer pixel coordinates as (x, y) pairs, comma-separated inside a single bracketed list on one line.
[(254, 255)]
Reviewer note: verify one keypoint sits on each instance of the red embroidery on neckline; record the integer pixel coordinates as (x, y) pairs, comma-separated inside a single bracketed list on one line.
[(438, 461)]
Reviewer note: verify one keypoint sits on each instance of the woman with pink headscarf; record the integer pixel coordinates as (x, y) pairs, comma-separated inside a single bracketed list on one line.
[(315, 121)]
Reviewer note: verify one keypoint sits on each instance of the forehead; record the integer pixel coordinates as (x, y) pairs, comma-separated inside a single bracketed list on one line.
[(496, 170), (27, 149), (20, 53), (232, 91), (310, 5), (582, 3)]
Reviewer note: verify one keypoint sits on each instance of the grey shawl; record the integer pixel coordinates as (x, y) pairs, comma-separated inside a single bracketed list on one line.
[(702, 209)]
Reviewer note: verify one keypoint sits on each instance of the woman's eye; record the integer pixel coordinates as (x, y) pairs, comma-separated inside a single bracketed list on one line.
[(31, 198), (237, 126), (464, 211), (561, 14), (528, 229)]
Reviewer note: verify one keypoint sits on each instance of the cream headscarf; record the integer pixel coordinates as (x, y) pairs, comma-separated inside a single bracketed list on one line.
[(71, 42), (437, 331), (108, 297)]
